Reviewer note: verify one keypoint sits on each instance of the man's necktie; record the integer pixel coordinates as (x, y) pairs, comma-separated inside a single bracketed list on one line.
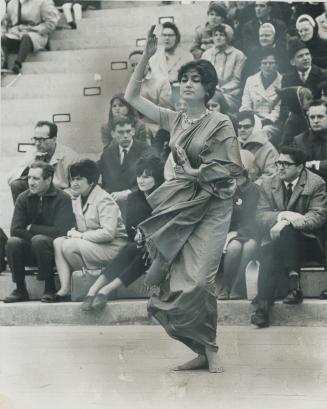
[(124, 155), (289, 192)]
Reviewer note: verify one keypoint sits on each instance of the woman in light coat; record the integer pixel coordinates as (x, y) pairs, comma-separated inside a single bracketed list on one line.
[(28, 25), (228, 62), (99, 234)]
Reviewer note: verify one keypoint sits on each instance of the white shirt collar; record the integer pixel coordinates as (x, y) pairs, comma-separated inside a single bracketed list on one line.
[(124, 149), (293, 182), (306, 73)]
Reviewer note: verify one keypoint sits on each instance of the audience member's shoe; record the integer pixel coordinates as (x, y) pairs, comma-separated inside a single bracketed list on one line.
[(17, 296), (99, 302), (16, 67), (223, 295), (260, 318), (294, 297), (72, 25), (323, 295), (49, 297), (52, 298), (87, 303)]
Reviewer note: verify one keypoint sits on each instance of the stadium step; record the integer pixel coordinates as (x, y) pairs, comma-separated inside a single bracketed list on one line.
[(311, 313), (68, 85)]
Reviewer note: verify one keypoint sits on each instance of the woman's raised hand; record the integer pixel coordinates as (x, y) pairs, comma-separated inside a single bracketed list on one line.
[(151, 42)]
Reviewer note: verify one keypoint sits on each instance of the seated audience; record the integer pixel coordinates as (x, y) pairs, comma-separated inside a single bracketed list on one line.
[(250, 38), (117, 163), (265, 154), (47, 150), (118, 108), (72, 10), (303, 72), (169, 57), (228, 62), (131, 261), (294, 105), (321, 21), (259, 93), (314, 141), (29, 24), (292, 208), (99, 234), (203, 39), (42, 213), (267, 35), (241, 243), (155, 89), (307, 30)]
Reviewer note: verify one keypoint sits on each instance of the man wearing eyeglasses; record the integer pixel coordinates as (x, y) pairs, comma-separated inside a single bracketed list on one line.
[(291, 211), (265, 154), (47, 149), (314, 141)]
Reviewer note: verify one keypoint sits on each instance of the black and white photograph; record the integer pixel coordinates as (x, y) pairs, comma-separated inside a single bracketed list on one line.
[(163, 204)]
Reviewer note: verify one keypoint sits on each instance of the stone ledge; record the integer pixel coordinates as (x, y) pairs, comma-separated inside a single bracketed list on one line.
[(309, 314)]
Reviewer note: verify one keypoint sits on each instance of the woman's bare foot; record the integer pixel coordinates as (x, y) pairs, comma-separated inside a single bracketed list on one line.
[(200, 362), (213, 361)]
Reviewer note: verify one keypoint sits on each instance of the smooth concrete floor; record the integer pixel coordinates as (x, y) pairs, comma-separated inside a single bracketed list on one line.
[(122, 367)]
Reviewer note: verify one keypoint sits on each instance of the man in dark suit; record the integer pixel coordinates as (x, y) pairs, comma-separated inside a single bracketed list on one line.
[(303, 73), (42, 213), (314, 141), (118, 160), (250, 31), (292, 208)]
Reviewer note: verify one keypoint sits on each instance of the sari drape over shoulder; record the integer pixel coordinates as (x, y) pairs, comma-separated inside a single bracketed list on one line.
[(189, 224)]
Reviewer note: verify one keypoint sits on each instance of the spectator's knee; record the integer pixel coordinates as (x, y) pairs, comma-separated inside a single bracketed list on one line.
[(14, 242), (39, 241), (70, 246)]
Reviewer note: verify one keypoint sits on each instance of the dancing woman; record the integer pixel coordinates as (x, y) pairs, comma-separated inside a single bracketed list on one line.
[(191, 212)]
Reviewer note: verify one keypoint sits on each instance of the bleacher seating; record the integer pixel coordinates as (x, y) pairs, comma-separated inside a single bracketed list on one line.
[(54, 82)]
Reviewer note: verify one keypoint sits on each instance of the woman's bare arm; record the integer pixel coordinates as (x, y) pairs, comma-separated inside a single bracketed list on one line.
[(132, 94)]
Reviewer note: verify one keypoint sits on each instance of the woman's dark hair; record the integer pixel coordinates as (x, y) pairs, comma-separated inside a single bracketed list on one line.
[(172, 26), (85, 168), (120, 97), (295, 152), (217, 8), (207, 72), (152, 166), (246, 115)]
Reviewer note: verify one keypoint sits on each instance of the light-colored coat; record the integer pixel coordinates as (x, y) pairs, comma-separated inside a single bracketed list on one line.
[(260, 100), (309, 198), (167, 67), (39, 18), (229, 65)]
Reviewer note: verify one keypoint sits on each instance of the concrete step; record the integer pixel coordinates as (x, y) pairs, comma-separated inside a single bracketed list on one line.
[(66, 85), (81, 110), (312, 313), (69, 134)]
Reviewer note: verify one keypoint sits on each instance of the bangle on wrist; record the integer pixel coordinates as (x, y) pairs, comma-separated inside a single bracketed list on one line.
[(134, 79)]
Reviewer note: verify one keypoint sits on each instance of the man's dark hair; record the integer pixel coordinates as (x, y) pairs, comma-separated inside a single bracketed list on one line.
[(85, 168), (246, 115), (172, 26), (295, 152), (53, 129), (207, 72), (265, 52), (47, 169), (317, 103), (123, 120), (135, 52)]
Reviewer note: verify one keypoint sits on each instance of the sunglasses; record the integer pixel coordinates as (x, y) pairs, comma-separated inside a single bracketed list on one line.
[(240, 126)]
